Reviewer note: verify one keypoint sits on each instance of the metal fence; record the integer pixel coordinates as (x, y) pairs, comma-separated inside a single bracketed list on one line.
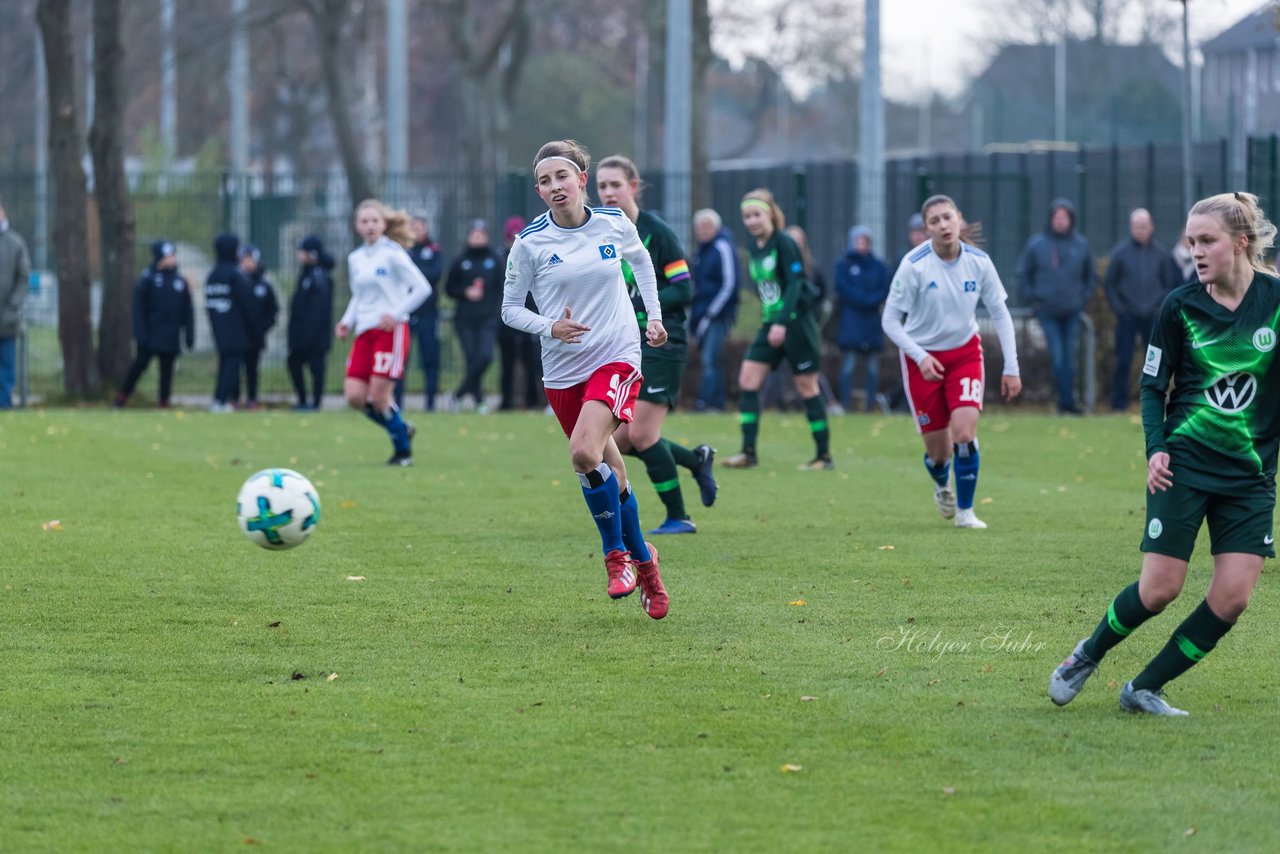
[(1008, 191)]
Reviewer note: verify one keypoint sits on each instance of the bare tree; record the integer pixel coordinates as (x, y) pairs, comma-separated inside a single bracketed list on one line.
[(111, 189), (491, 46), (330, 19), (75, 328)]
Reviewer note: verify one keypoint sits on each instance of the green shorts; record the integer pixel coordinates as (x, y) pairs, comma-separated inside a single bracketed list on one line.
[(663, 370), (1238, 522), (802, 349)]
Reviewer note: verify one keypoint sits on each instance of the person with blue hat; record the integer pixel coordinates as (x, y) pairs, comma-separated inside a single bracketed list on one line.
[(163, 318)]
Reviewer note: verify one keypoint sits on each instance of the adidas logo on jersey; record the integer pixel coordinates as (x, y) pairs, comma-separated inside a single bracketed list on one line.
[(933, 286), (555, 259)]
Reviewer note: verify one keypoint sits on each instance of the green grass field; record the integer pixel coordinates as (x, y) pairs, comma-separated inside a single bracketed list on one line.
[(841, 670)]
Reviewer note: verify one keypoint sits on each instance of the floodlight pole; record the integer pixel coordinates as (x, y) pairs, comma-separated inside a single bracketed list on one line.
[(1188, 190), (871, 130), (397, 89), (677, 141)]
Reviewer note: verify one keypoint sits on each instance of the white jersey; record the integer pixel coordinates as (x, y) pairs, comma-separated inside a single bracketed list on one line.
[(940, 300), (383, 280), (580, 268)]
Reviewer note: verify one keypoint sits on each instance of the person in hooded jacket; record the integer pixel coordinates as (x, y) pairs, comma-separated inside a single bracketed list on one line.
[(517, 347), (265, 307), (862, 285), (228, 297), (716, 274), (163, 318), (425, 322), (1056, 276), (475, 282), (310, 331)]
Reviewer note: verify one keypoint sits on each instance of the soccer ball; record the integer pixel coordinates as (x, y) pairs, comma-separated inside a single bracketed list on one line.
[(278, 508)]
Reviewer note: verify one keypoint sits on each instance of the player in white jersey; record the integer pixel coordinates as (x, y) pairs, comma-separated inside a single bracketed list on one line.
[(936, 290), (385, 287), (570, 260)]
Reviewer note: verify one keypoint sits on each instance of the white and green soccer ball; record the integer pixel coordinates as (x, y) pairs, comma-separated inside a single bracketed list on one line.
[(278, 508)]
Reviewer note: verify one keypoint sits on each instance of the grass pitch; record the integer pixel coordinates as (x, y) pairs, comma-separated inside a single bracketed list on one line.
[(439, 667)]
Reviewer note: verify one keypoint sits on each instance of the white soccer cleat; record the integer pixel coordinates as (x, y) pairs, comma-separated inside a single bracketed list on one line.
[(965, 518), (946, 501)]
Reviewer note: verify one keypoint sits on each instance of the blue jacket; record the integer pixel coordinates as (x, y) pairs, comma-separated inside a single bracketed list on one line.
[(163, 315), (228, 298), (1056, 274), (264, 306), (429, 260), (716, 274), (1139, 277), (862, 285), (311, 309)]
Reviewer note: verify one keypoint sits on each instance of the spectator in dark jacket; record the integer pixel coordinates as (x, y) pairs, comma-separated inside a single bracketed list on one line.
[(228, 297), (163, 318), (517, 346), (1140, 273), (475, 282), (1056, 276), (311, 321), (15, 270), (862, 284), (429, 260), (716, 273), (265, 308)]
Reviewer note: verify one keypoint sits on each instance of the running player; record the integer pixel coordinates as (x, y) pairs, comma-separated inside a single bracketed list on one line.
[(936, 290), (385, 288), (570, 260), (789, 331), (618, 182), (1211, 450)]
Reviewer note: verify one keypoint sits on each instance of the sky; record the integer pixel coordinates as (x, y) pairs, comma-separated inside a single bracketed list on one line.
[(939, 45)]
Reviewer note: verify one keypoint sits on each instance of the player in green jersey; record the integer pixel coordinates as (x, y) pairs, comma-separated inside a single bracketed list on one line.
[(789, 330), (1211, 450), (618, 182)]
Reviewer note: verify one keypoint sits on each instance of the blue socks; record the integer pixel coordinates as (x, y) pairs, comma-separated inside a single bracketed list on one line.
[(941, 474), (600, 489), (632, 535), (392, 423), (966, 458)]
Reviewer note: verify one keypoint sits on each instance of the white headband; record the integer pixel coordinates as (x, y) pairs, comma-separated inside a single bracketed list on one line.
[(556, 157)]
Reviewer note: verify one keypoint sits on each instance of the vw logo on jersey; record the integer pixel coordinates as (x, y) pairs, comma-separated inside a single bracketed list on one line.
[(1264, 339), (607, 252), (770, 292), (769, 263), (1232, 392)]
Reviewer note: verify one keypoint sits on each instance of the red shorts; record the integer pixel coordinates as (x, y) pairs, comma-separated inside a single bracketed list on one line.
[(963, 379), (376, 353), (617, 385)]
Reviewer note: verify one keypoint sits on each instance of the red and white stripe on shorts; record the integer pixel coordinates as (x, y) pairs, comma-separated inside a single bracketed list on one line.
[(616, 385)]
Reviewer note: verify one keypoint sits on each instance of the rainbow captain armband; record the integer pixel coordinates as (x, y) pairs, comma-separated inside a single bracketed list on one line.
[(676, 271)]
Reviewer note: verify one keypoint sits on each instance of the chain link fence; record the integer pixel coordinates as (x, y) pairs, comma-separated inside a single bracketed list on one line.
[(1008, 191)]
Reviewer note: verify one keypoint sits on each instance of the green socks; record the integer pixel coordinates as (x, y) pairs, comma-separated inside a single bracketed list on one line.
[(661, 466), (749, 417), (684, 457), (1125, 613), (816, 411), (1191, 641)]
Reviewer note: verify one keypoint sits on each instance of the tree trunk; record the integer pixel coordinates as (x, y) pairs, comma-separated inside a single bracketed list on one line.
[(115, 207), (328, 17), (70, 237)]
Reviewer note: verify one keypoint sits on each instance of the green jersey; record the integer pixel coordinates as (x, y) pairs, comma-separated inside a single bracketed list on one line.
[(1221, 422), (777, 268), (675, 287)]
